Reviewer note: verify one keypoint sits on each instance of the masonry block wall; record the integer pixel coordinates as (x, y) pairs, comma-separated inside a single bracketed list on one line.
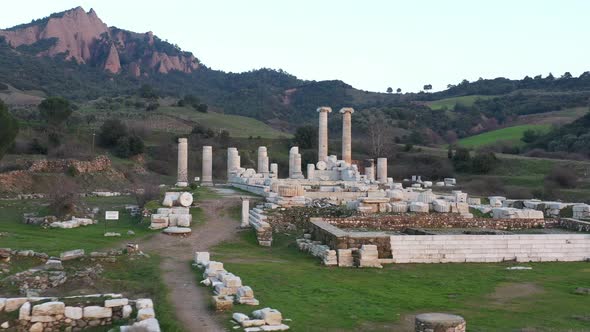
[(490, 248)]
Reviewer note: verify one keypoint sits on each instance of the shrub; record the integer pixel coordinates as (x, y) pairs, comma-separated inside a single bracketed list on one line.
[(562, 177), (110, 132), (483, 162)]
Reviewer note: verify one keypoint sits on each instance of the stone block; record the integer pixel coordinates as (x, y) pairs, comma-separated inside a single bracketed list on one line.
[(71, 254), (126, 312), (202, 258), (37, 327), (245, 291), (253, 323), (49, 308), (145, 313), (115, 303), (279, 327), (144, 303), (13, 304), (24, 313), (223, 303), (96, 312), (239, 317), (73, 313)]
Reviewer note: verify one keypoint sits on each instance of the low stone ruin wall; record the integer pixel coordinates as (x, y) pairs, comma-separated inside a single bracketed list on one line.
[(574, 225), (76, 313), (436, 220), (99, 164), (490, 248), (337, 238)]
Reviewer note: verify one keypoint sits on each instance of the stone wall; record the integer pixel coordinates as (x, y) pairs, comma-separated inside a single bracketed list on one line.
[(574, 225), (436, 220), (490, 248), (337, 238), (99, 164), (76, 313)]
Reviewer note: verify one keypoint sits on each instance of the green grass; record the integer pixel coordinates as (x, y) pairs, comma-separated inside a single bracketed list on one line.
[(238, 126), (449, 103), (319, 298), (509, 134), (53, 241)]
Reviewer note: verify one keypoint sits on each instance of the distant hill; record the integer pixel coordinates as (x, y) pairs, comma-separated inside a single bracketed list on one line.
[(76, 55)]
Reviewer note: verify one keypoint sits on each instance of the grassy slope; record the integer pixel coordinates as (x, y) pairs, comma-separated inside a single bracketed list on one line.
[(449, 103), (54, 241), (510, 134), (318, 298), (182, 119)]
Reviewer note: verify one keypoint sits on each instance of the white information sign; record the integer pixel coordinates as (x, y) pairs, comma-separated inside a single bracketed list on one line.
[(111, 215)]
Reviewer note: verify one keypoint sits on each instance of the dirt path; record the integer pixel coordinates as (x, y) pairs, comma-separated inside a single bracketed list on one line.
[(191, 301)]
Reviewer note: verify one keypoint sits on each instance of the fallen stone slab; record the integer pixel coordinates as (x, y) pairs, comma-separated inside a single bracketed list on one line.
[(582, 291), (71, 254), (177, 230), (144, 303)]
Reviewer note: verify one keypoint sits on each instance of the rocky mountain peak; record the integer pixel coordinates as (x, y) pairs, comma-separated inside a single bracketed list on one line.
[(83, 37)]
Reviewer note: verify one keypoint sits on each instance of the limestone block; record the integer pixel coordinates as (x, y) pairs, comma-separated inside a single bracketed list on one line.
[(49, 308), (72, 254), (419, 207), (473, 201), (144, 303), (37, 327), (94, 312), (223, 303), (43, 319), (24, 313), (115, 303), (74, 313), (170, 198), (279, 327), (399, 207), (496, 201), (202, 257), (180, 210), (253, 322), (426, 197), (239, 317), (159, 221), (126, 312), (233, 282), (12, 304), (215, 266), (164, 211), (271, 316), (180, 220), (177, 230), (440, 184), (145, 313), (441, 206), (245, 291), (146, 325), (345, 258)]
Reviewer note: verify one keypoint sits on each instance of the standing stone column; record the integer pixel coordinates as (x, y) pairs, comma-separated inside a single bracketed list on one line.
[(207, 172), (274, 169), (323, 133), (370, 169), (245, 213), (295, 164), (182, 180), (382, 170), (347, 134), (233, 161), (310, 171), (262, 160)]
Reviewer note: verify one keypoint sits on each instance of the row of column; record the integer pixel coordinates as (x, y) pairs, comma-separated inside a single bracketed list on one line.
[(346, 133), (207, 170)]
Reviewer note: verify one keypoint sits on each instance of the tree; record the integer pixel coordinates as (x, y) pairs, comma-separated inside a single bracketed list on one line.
[(389, 90), (427, 87), (55, 110), (110, 132), (380, 133), (462, 160), (566, 76), (8, 129), (202, 108), (399, 90), (146, 91), (305, 137), (450, 152)]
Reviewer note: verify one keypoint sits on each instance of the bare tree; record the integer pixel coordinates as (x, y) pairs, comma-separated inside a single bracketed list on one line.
[(380, 134)]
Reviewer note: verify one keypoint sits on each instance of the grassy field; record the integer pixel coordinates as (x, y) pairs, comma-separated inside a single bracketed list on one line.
[(510, 134), (54, 241), (449, 103), (490, 297), (181, 120)]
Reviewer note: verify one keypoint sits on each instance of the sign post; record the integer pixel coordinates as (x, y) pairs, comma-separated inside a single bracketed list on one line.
[(110, 215)]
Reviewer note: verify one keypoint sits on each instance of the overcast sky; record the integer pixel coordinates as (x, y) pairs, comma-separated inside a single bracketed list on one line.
[(368, 44)]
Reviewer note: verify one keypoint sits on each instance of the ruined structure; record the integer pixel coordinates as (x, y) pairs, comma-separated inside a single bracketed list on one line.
[(182, 180)]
